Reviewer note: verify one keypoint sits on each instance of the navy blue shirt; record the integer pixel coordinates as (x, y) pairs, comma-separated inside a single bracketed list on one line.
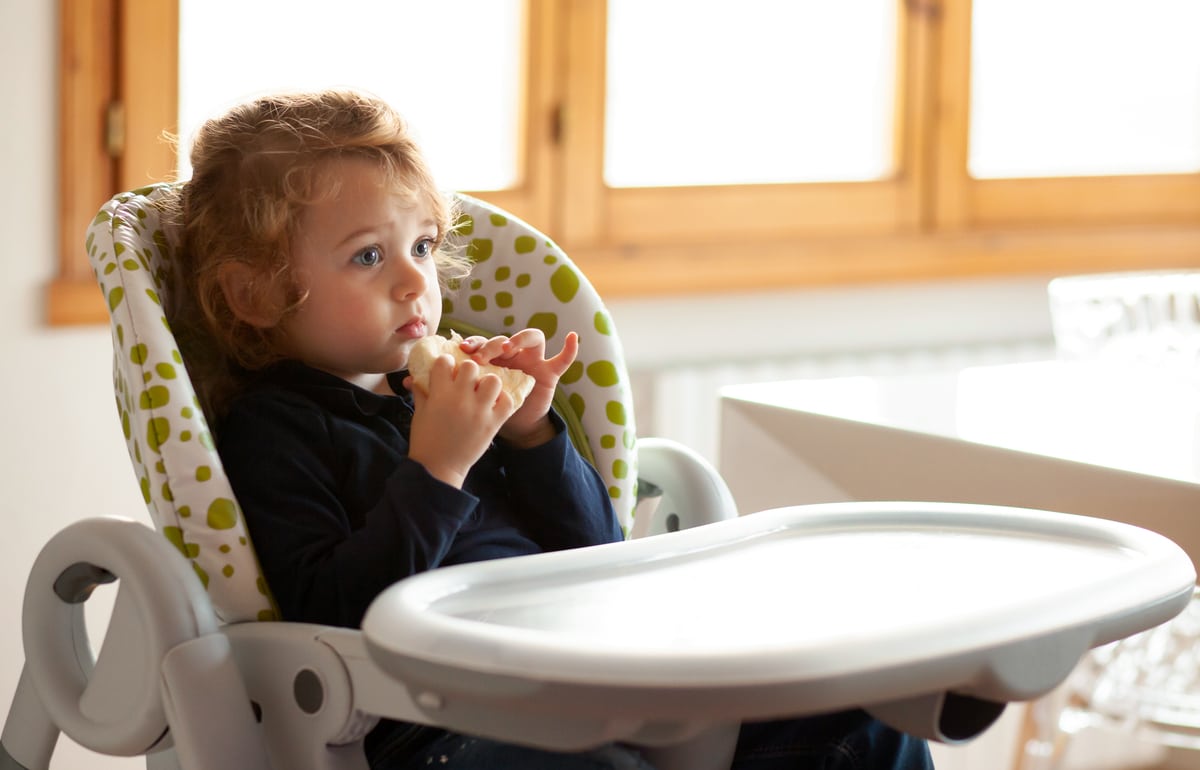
[(338, 512)]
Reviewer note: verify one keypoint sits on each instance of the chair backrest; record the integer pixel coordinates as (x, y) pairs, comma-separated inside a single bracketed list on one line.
[(521, 279)]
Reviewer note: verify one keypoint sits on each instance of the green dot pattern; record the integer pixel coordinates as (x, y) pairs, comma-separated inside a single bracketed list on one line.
[(564, 283), (547, 322), (603, 373), (222, 513), (480, 249), (529, 282), (572, 374), (170, 445)]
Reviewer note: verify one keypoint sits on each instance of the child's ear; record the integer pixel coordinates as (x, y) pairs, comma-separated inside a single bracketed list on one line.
[(249, 295)]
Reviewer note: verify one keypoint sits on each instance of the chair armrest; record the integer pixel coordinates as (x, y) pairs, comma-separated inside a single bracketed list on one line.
[(693, 492), (162, 630)]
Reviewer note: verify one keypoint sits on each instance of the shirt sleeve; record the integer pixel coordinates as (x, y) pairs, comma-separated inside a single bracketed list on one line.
[(562, 499), (284, 467)]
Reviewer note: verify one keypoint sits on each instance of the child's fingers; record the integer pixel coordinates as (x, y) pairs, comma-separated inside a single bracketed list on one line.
[(488, 349), (418, 393), (488, 386), (565, 357), (527, 345), (527, 339), (570, 347), (473, 343)]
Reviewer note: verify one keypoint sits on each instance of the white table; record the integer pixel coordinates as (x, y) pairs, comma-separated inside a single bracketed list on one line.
[(1116, 442)]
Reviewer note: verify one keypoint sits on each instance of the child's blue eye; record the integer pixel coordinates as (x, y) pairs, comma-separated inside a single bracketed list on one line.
[(423, 248), (368, 257)]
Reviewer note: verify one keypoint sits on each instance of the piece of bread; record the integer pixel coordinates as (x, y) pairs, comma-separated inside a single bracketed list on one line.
[(516, 384)]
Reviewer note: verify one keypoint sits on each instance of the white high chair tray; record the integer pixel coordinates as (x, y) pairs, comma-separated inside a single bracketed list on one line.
[(784, 612)]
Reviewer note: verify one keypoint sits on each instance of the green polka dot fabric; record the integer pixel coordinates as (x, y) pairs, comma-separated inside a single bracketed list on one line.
[(172, 450), (522, 279)]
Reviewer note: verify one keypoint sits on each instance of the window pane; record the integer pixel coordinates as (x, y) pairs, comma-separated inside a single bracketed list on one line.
[(1084, 87), (451, 69), (758, 91)]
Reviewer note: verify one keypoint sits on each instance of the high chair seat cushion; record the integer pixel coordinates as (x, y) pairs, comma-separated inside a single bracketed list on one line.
[(522, 279), (169, 441)]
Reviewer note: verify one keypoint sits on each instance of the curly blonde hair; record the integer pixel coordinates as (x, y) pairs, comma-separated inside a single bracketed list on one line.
[(255, 170)]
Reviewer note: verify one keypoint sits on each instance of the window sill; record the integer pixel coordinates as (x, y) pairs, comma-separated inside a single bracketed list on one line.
[(712, 267), (75, 303)]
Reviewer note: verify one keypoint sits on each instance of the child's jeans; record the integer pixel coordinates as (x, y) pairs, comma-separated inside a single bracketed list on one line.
[(848, 739)]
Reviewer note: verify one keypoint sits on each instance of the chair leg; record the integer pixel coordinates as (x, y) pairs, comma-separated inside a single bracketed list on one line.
[(207, 706), (163, 759), (710, 750), (29, 732)]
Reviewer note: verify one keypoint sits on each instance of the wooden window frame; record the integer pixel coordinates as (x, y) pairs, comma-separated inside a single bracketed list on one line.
[(96, 159), (928, 220), (1167, 200)]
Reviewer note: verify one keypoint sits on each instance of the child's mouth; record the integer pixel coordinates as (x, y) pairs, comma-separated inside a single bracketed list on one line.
[(414, 329)]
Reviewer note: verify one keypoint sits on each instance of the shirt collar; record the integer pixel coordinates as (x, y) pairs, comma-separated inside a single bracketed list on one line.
[(334, 393)]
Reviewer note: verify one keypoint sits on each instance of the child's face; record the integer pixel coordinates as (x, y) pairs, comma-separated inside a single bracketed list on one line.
[(365, 257)]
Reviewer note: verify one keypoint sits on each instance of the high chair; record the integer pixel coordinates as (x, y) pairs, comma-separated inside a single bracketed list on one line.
[(668, 641)]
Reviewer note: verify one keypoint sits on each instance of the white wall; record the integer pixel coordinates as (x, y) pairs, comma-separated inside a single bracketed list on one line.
[(60, 447), (61, 453), (682, 351), (832, 320)]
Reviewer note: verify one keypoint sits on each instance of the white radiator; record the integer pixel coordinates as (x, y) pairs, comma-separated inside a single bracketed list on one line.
[(680, 402)]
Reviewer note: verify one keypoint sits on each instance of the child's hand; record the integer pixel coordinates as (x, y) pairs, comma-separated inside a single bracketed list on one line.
[(455, 422), (526, 350)]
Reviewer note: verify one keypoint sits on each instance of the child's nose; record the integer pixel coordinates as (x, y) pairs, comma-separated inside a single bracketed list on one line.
[(409, 281)]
